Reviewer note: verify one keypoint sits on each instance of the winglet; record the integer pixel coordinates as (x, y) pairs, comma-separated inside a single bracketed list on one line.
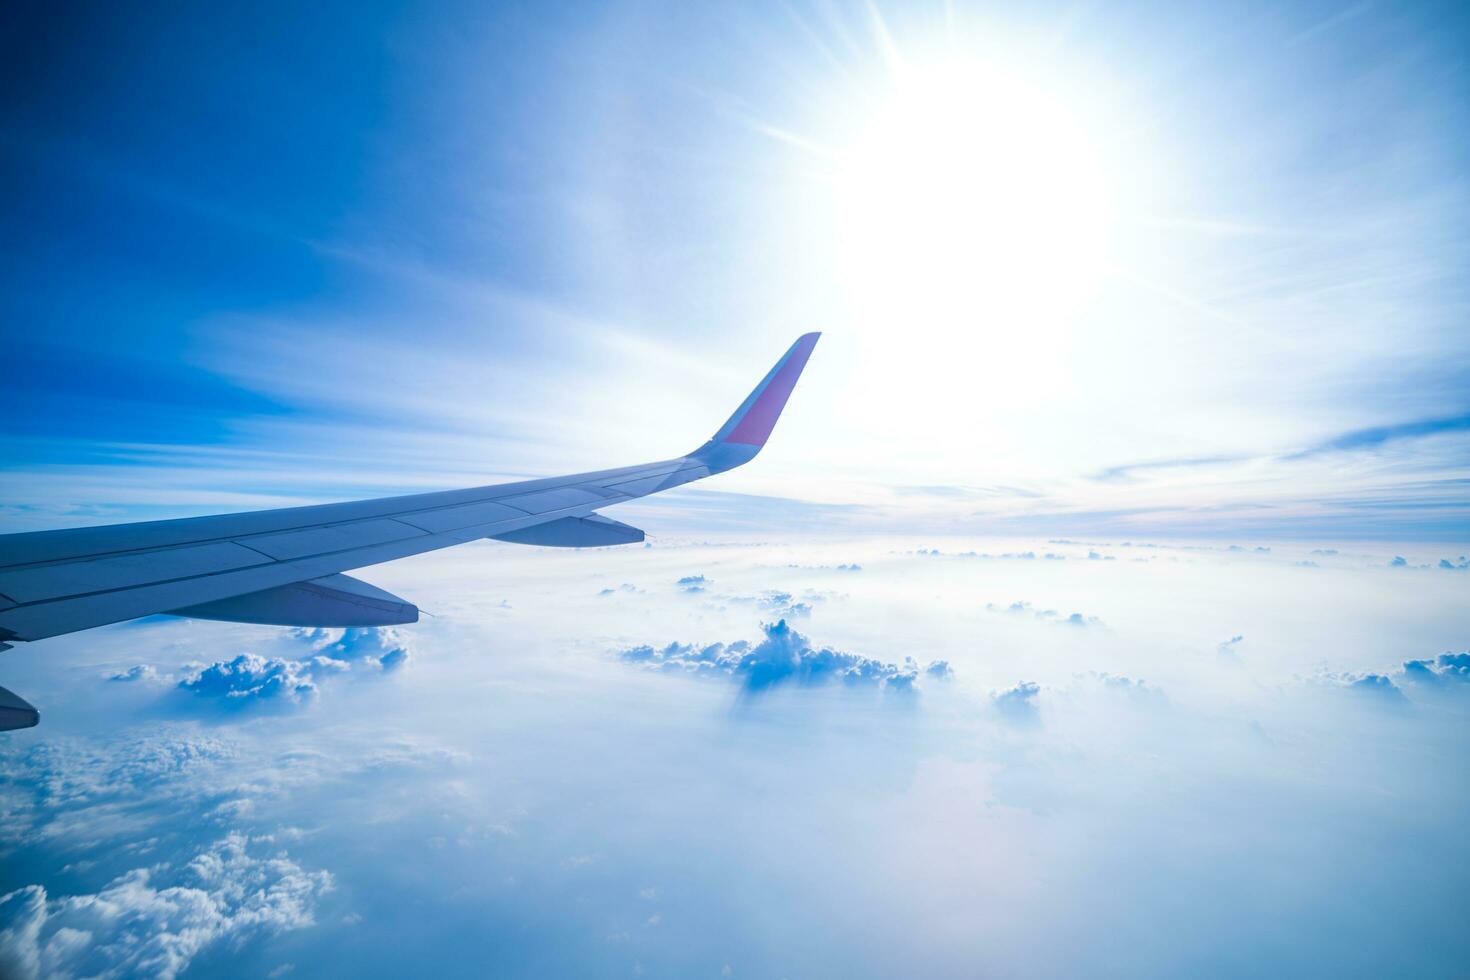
[(740, 438)]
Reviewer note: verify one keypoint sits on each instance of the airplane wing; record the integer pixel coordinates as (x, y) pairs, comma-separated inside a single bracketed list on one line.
[(285, 566)]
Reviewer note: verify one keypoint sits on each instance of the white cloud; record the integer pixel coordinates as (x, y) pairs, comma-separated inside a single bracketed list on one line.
[(249, 678), (1018, 704), (153, 921), (783, 656), (138, 672)]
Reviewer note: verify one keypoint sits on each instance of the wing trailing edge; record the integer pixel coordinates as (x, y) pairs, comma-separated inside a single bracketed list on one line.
[(593, 531), (333, 600)]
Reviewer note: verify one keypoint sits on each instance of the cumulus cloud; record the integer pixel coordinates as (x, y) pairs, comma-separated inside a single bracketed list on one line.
[(782, 605), (1229, 648), (1378, 686), (1447, 673), (784, 656), (693, 583), (251, 678), (1051, 615), (59, 785), (625, 587), (152, 921), (1018, 704), (1448, 669), (1137, 689), (380, 646), (138, 672)]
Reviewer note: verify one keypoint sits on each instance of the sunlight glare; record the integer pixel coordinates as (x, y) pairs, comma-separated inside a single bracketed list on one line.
[(971, 207)]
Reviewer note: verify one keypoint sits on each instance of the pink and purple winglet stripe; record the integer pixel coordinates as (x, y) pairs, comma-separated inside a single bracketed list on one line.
[(752, 423)]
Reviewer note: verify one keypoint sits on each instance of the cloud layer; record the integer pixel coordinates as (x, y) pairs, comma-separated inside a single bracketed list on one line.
[(153, 921)]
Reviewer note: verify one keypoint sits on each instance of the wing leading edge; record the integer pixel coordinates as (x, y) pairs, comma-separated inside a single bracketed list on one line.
[(285, 566)]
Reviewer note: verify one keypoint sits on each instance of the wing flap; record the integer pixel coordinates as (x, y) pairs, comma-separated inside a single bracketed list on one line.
[(335, 601), (595, 531)]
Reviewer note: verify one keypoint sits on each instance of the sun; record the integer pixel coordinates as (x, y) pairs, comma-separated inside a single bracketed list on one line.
[(969, 201)]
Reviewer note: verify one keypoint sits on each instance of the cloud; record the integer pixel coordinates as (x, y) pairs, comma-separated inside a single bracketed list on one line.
[(1461, 563), (782, 605), (1050, 615), (1229, 648), (1449, 672), (694, 583), (138, 672), (251, 678), (784, 656), (61, 786), (1378, 686), (1450, 669), (379, 645), (1137, 689), (1017, 705), (1128, 472), (134, 927), (1373, 438), (625, 587)]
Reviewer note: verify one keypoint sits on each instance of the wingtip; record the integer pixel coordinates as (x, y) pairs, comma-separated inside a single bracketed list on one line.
[(752, 423)]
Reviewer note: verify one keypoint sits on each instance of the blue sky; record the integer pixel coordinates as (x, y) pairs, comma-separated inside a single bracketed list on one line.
[(1078, 267)]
